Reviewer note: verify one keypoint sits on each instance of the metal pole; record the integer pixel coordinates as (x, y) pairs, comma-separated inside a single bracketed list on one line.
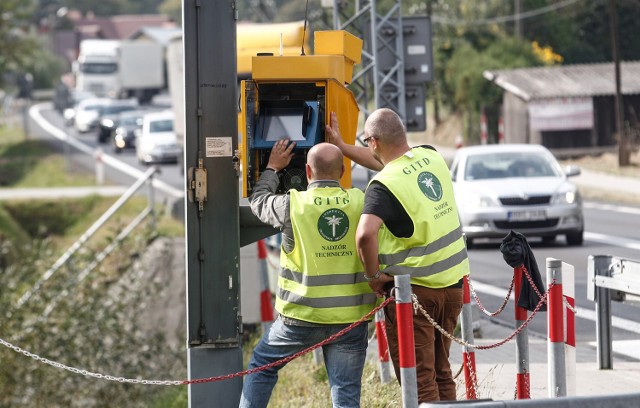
[(555, 344), (601, 265), (383, 348), (468, 354), (152, 203), (623, 150), (406, 343), (523, 379)]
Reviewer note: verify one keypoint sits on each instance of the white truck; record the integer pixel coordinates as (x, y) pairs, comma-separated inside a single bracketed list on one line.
[(120, 69)]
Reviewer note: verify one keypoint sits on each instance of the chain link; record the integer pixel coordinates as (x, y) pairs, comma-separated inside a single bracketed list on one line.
[(535, 288), (472, 375), (568, 306), (418, 307), (200, 380), (477, 299), (85, 372)]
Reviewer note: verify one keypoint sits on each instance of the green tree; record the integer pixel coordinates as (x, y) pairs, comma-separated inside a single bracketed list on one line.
[(471, 91), (17, 43), (173, 9)]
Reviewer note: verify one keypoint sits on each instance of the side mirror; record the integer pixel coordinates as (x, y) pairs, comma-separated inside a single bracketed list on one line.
[(572, 170)]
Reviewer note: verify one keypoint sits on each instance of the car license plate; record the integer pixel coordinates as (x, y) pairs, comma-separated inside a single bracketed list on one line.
[(534, 215)]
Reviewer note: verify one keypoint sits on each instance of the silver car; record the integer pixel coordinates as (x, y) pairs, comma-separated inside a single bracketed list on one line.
[(518, 187)]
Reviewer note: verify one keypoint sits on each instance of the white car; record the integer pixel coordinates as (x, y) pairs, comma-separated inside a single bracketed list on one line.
[(156, 141), (87, 113), (520, 187)]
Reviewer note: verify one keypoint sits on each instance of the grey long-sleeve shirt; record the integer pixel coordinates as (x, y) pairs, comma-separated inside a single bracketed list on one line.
[(273, 209)]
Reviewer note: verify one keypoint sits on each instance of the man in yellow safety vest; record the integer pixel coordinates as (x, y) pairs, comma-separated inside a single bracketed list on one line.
[(321, 287), (410, 226)]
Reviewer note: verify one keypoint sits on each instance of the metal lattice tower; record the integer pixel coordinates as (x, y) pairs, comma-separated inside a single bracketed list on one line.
[(382, 34)]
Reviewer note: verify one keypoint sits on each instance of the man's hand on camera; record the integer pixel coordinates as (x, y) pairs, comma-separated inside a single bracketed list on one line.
[(281, 154), (332, 132)]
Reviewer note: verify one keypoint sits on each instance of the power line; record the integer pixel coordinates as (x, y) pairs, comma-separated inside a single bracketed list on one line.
[(505, 19)]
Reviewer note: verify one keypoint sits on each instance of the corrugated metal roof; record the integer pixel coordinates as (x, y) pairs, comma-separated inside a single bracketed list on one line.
[(567, 80)]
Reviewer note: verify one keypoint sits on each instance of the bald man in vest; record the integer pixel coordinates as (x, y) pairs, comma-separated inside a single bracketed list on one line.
[(321, 287), (410, 226)]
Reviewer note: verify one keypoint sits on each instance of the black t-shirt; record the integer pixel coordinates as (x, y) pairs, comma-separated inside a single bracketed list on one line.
[(379, 201)]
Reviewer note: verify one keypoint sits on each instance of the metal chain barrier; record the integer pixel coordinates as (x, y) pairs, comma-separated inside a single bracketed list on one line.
[(568, 306), (200, 380), (477, 299), (85, 372), (473, 378), (418, 307), (535, 288)]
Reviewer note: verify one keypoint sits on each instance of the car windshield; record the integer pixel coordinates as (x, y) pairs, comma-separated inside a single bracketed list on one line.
[(506, 165), (161, 126), (99, 67), (130, 120), (111, 110)]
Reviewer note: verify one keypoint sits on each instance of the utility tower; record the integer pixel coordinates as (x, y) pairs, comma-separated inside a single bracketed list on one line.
[(396, 57)]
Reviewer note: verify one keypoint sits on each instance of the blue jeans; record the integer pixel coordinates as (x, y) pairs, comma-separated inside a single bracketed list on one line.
[(344, 359)]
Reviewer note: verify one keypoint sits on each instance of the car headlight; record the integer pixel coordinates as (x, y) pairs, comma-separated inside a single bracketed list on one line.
[(107, 123), (478, 201), (567, 197)]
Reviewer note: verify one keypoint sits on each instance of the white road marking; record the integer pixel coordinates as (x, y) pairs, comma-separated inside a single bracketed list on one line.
[(36, 115)]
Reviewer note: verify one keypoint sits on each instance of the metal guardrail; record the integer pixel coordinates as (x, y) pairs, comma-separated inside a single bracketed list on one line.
[(608, 401), (610, 278), (147, 178)]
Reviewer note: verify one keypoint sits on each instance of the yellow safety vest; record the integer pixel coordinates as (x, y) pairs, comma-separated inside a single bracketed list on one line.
[(321, 279), (435, 255)]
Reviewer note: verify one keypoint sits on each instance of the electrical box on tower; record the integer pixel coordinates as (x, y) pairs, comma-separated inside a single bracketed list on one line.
[(293, 97)]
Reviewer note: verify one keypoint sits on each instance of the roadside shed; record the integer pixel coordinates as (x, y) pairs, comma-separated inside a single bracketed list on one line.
[(569, 109)]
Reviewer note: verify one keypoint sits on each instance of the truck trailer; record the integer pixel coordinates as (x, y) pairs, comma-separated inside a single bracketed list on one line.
[(120, 69)]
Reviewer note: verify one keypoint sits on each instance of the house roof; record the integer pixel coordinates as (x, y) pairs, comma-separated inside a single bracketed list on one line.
[(567, 80), (122, 26), (160, 35)]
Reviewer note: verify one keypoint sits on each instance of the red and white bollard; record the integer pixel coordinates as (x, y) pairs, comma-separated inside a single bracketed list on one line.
[(523, 387), (569, 295), (383, 348), (468, 354), (555, 317), (406, 342), (266, 306)]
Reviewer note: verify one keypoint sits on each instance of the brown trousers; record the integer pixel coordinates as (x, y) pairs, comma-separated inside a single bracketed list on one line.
[(435, 381)]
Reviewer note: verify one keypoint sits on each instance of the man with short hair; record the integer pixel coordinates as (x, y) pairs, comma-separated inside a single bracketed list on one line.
[(410, 226), (321, 287)]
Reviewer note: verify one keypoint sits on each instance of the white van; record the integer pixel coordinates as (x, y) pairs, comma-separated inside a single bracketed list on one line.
[(157, 139)]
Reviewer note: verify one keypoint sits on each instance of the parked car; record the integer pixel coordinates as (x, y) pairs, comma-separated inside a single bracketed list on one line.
[(109, 117), (125, 133), (517, 187), (88, 112), (157, 140)]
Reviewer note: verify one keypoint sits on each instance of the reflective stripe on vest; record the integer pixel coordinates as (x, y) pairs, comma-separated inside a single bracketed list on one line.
[(322, 278), (435, 255)]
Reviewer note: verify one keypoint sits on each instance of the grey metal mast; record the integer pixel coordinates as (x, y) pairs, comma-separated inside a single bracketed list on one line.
[(212, 207)]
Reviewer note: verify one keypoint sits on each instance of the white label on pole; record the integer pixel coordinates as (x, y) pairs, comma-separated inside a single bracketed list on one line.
[(419, 111), (218, 146), (424, 68), (417, 49)]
